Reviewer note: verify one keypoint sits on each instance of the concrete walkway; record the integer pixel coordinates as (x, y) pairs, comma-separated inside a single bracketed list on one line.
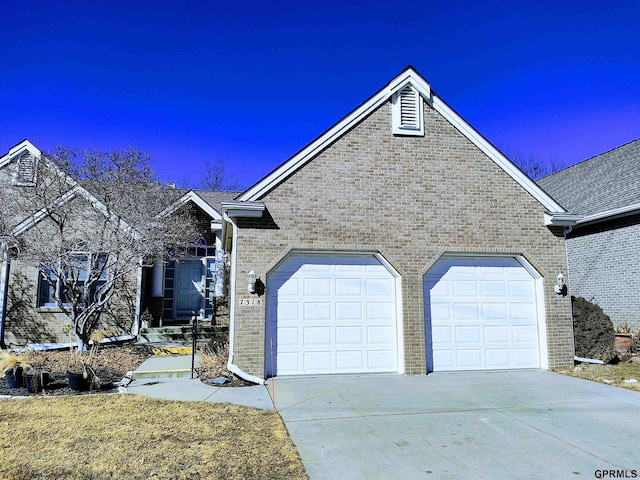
[(169, 377), (518, 424)]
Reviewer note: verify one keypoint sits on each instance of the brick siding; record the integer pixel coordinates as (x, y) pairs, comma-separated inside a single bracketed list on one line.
[(604, 267), (412, 199)]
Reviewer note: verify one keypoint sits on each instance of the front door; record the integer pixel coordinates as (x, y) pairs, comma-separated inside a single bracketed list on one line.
[(187, 297)]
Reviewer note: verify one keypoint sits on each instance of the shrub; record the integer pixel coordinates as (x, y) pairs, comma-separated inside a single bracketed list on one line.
[(593, 331)]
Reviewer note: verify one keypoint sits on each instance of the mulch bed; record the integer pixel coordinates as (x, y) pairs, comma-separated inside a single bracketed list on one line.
[(112, 364)]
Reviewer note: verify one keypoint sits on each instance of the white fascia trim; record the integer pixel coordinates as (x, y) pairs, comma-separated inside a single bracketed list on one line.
[(609, 214), (561, 219), (424, 88), (339, 129), (243, 209), (25, 145), (494, 154), (191, 196)]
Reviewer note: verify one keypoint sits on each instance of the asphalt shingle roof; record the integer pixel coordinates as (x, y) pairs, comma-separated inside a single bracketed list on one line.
[(216, 197), (605, 182)]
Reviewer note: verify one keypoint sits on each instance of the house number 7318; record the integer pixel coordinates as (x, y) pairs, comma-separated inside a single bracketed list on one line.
[(250, 302)]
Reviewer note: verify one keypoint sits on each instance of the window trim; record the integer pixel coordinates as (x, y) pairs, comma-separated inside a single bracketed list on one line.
[(42, 280)]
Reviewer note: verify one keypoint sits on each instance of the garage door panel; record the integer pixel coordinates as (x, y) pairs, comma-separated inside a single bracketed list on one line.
[(317, 336), (498, 358), (442, 335), (526, 357), (347, 311), (381, 335), (317, 287), (481, 314), (468, 334), (348, 286), (465, 288), (290, 336), (349, 335), (521, 288), (349, 360), (468, 359), (494, 311), (315, 361), (493, 288), (496, 334), (381, 360), (466, 311), (345, 308)]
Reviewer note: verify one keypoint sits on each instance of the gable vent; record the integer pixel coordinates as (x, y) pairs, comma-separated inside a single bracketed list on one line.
[(26, 174), (407, 112)]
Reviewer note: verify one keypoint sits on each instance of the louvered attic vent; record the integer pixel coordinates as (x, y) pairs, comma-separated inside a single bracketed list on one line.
[(407, 112), (26, 174)]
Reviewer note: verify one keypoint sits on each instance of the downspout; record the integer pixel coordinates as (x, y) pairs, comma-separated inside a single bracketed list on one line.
[(4, 287), (232, 307), (566, 232)]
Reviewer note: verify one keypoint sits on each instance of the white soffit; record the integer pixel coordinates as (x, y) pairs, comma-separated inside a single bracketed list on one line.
[(409, 75)]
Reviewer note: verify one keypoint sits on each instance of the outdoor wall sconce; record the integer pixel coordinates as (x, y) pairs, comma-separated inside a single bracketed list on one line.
[(560, 284), (251, 279)]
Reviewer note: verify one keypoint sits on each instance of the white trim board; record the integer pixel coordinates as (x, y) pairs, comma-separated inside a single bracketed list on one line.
[(408, 75)]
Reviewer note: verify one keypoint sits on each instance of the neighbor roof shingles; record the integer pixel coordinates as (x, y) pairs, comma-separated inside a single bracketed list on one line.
[(605, 182)]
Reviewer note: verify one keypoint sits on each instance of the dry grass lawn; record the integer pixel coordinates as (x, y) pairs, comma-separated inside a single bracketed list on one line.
[(135, 437), (614, 374)]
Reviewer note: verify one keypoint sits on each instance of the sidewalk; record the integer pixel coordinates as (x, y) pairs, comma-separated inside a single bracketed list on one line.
[(169, 377)]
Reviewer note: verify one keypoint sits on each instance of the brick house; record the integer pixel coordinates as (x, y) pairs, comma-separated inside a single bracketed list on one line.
[(30, 316), (400, 240), (602, 248)]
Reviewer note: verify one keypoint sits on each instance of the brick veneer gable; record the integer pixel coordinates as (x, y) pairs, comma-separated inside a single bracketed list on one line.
[(412, 199)]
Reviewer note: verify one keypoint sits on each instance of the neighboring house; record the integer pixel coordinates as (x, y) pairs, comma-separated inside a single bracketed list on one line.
[(399, 241), (168, 291), (603, 249), (28, 313)]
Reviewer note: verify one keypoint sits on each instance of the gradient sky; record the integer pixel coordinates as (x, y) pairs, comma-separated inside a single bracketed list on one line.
[(251, 82)]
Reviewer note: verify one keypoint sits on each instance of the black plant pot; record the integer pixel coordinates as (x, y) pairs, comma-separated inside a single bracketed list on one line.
[(77, 381), (14, 377), (35, 382)]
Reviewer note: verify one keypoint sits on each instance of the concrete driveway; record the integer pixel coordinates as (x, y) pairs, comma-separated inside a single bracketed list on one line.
[(481, 425)]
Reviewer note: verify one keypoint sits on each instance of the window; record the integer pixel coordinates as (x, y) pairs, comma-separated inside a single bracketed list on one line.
[(26, 169), (408, 112), (79, 269)]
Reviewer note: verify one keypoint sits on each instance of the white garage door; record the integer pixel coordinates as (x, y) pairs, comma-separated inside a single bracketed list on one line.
[(331, 314), (481, 314)]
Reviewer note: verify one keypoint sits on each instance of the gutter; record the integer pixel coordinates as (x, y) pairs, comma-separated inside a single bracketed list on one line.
[(232, 308)]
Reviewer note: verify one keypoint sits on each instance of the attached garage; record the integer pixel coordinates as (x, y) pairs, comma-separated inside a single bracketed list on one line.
[(484, 313), (332, 313)]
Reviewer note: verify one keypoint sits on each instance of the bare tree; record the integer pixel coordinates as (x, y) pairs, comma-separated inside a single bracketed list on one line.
[(88, 224), (532, 164), (216, 178)]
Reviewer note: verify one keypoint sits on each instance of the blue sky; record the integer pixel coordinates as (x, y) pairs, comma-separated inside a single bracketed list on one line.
[(250, 83)]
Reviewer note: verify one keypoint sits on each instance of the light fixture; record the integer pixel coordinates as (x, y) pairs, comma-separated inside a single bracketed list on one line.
[(251, 279), (559, 283)]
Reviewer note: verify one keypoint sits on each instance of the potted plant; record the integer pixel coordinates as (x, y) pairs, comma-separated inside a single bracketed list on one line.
[(11, 366), (623, 338), (36, 379), (81, 367)]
